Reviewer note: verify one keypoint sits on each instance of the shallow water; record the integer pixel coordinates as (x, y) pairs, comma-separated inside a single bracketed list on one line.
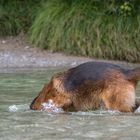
[(19, 87)]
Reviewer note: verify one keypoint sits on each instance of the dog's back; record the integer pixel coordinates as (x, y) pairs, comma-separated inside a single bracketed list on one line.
[(90, 71)]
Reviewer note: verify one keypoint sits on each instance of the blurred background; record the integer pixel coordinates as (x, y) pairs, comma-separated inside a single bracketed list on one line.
[(106, 29)]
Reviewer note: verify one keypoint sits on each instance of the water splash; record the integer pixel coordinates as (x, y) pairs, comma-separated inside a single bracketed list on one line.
[(18, 108), (137, 110), (50, 107)]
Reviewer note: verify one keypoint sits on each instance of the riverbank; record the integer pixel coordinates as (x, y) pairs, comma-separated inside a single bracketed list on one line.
[(17, 52)]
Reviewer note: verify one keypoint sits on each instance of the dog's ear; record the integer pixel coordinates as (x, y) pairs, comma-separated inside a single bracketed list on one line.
[(37, 102)]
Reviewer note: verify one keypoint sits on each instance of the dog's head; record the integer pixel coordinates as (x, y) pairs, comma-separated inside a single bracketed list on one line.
[(51, 93)]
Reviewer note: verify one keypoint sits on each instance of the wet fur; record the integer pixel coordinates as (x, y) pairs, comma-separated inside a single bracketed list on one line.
[(90, 86)]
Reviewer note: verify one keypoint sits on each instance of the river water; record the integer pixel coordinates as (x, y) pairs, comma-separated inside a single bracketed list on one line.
[(17, 122)]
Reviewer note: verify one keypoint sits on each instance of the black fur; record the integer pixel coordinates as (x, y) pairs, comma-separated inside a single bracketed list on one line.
[(90, 71)]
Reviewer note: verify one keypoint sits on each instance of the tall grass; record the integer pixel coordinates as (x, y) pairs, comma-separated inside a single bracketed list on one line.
[(88, 28), (107, 29), (17, 15)]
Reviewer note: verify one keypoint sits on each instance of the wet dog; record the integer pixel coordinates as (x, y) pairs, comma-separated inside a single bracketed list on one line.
[(90, 86)]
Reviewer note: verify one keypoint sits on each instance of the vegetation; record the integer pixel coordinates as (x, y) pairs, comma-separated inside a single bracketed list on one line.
[(17, 15), (107, 29)]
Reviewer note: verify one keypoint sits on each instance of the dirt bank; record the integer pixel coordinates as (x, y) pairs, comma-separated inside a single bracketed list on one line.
[(16, 52)]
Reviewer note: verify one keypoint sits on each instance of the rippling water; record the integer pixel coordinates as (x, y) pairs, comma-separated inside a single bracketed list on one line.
[(19, 87)]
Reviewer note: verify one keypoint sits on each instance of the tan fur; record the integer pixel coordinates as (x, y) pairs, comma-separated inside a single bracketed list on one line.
[(119, 94)]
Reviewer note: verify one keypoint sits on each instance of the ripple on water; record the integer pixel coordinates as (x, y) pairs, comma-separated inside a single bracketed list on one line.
[(50, 108)]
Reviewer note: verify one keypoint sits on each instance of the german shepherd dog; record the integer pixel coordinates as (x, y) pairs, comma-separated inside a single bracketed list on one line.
[(90, 86)]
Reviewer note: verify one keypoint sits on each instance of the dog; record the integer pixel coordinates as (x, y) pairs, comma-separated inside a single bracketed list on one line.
[(91, 85)]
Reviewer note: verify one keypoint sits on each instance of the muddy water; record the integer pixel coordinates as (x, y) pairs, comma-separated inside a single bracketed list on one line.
[(19, 87)]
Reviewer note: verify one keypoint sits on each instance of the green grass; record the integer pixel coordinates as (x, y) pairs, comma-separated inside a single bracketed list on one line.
[(95, 28), (17, 15), (83, 28)]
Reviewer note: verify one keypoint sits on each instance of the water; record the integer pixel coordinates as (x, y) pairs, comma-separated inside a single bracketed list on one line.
[(18, 122)]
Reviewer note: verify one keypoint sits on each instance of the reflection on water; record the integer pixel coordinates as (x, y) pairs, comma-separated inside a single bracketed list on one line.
[(17, 122)]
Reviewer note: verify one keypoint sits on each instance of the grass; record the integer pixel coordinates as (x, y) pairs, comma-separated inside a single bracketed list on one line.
[(16, 16), (83, 28), (94, 28)]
